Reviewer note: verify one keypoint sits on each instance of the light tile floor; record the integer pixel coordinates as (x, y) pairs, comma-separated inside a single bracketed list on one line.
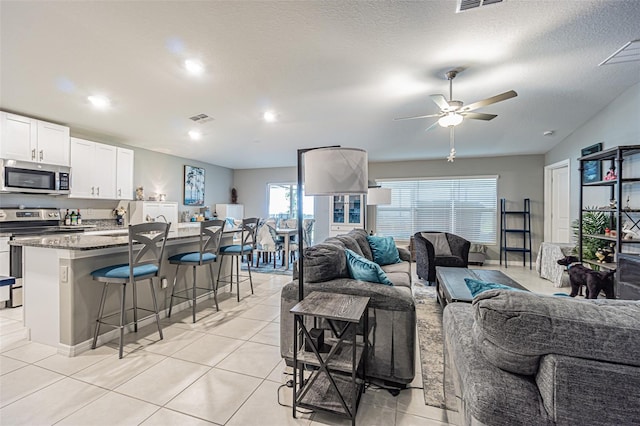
[(225, 369)]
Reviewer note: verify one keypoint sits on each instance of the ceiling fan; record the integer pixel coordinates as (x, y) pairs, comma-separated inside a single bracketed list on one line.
[(453, 112)]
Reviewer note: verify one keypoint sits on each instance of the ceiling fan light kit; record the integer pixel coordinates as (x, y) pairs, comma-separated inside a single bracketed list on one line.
[(451, 119), (453, 112)]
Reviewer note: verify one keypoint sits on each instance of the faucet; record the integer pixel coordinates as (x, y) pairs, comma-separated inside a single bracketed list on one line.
[(161, 216)]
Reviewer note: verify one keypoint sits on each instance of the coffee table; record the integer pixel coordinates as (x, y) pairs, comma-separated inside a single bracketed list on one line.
[(451, 287)]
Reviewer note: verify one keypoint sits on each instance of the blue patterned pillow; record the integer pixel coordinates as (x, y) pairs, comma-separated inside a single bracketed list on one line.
[(361, 268), (476, 286), (384, 250)]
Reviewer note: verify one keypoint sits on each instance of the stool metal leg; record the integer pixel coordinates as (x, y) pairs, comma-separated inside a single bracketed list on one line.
[(214, 286), (100, 312), (123, 314), (173, 290), (193, 307), (249, 270), (238, 276), (134, 289), (155, 307)]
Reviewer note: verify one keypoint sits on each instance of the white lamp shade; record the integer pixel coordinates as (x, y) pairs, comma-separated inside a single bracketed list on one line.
[(378, 196), (329, 171)]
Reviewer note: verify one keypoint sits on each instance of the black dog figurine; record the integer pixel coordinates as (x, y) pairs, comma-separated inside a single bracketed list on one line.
[(595, 281)]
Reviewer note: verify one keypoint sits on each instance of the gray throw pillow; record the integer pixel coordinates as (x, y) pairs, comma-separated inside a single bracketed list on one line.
[(439, 242), (324, 262)]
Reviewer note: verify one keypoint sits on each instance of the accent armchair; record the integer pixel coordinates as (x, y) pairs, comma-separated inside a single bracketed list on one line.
[(439, 249)]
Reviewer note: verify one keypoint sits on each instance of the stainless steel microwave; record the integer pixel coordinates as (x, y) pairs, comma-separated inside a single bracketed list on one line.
[(34, 178)]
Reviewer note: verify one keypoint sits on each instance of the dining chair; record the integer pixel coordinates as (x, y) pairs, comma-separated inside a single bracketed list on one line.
[(236, 252), (146, 249), (267, 244), (210, 237), (307, 232)]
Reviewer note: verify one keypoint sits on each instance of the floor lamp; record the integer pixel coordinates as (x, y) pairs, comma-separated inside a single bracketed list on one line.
[(328, 171), (377, 196)]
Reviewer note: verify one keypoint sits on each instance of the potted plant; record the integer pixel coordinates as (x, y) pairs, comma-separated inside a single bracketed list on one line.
[(593, 223)]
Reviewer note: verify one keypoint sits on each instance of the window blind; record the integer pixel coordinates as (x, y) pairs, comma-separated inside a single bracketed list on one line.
[(463, 206)]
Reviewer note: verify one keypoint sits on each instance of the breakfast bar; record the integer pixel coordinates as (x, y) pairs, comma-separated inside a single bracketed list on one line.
[(61, 297)]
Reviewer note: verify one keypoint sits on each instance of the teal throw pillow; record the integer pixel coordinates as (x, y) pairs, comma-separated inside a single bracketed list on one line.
[(476, 286), (384, 250), (361, 268)]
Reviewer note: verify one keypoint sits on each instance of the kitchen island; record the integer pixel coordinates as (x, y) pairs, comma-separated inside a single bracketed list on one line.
[(62, 299)]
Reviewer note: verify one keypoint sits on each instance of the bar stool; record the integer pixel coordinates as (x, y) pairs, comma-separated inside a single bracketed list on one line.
[(210, 237), (236, 251), (144, 263)]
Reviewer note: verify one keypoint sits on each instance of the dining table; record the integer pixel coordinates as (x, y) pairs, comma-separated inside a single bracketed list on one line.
[(287, 233)]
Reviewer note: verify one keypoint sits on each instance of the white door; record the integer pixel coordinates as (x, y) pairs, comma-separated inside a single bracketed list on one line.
[(560, 229), (557, 222)]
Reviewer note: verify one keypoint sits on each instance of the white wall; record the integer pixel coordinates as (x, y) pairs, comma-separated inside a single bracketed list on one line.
[(617, 124), (519, 177)]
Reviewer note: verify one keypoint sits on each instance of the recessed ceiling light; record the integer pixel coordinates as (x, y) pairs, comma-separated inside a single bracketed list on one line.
[(99, 101), (193, 66), (195, 135), (270, 117)]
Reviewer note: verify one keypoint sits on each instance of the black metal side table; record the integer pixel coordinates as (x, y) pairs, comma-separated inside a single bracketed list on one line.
[(333, 386)]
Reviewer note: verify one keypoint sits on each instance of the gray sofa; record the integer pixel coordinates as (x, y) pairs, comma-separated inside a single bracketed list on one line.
[(518, 358), (392, 311)]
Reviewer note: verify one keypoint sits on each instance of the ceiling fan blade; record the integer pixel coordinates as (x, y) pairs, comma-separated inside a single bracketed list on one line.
[(479, 116), (492, 100), (440, 100), (417, 116), (431, 127)]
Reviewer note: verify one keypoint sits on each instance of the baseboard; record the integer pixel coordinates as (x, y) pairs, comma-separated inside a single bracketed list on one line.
[(511, 263)]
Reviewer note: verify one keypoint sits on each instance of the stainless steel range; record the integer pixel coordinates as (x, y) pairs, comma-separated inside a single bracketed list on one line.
[(25, 222)]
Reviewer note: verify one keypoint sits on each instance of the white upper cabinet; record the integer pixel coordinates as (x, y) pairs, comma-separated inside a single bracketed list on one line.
[(104, 175), (82, 159), (18, 137), (124, 174), (93, 170), (28, 139), (53, 143)]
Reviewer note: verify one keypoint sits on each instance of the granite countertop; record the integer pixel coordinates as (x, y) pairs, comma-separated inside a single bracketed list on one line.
[(93, 242)]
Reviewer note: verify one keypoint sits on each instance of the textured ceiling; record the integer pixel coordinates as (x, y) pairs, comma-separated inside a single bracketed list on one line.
[(336, 72)]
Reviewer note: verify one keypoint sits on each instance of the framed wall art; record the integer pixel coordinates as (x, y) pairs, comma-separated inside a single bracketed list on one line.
[(591, 170), (193, 186)]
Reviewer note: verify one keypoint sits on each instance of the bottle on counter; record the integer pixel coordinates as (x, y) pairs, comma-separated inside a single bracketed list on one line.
[(79, 221), (67, 218), (74, 218)]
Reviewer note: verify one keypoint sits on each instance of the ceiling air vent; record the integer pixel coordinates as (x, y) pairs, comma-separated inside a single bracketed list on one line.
[(630, 52), (462, 5), (201, 118)]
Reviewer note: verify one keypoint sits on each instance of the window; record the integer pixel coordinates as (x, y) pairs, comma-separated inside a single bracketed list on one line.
[(463, 206), (282, 201)]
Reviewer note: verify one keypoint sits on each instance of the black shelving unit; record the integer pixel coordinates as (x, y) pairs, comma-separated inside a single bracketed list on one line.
[(619, 212), (517, 230)]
